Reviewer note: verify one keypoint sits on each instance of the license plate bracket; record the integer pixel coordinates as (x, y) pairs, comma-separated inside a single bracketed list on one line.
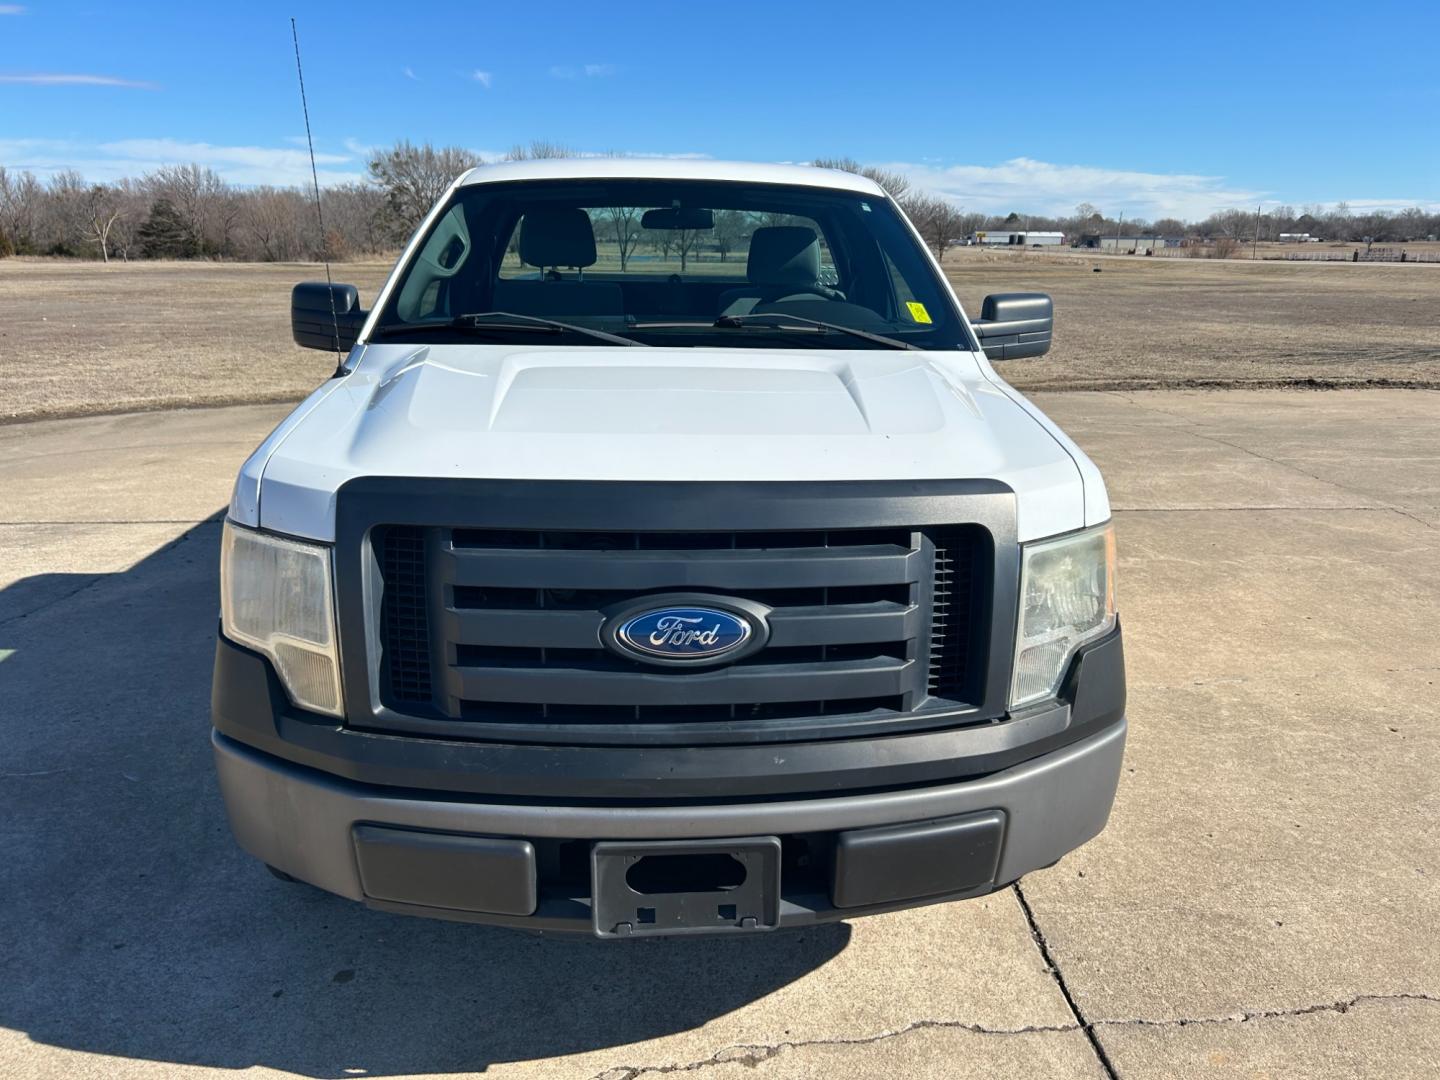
[(660, 887)]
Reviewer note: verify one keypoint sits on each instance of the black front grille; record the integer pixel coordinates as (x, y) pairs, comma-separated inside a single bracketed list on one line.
[(502, 627)]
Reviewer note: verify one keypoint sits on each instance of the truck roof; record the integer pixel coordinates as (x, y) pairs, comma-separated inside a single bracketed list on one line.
[(626, 168)]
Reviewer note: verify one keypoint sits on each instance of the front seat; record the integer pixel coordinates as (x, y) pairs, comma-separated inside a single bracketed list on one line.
[(784, 264), (552, 239)]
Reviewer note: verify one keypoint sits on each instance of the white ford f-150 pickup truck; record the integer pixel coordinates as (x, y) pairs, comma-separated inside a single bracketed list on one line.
[(666, 556)]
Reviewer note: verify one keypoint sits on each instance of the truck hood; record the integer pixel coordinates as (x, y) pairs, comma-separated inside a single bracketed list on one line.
[(478, 411)]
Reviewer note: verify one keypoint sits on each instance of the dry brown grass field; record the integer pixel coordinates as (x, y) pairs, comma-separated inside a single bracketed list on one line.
[(78, 337)]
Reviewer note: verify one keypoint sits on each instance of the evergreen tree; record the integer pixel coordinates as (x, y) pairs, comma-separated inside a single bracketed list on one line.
[(164, 235)]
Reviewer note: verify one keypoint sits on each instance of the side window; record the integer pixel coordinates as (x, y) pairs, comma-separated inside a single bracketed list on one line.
[(426, 293)]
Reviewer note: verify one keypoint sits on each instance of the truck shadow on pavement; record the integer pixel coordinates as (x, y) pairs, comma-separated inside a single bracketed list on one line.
[(133, 927)]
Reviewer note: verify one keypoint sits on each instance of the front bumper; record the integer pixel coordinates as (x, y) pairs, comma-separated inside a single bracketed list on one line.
[(316, 827)]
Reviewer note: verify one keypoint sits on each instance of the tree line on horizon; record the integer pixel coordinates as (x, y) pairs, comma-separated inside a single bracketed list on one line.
[(190, 212)]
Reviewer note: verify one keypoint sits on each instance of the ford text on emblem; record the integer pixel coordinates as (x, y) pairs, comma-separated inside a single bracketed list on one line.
[(666, 631), (678, 633)]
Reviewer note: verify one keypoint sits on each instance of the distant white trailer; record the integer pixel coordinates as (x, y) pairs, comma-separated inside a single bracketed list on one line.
[(1020, 238), (1296, 238)]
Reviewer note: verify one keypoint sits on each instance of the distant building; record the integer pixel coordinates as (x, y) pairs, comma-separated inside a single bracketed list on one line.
[(1298, 238), (1015, 238), (1130, 245)]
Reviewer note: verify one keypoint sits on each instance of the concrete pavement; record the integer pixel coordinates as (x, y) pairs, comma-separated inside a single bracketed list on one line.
[(1263, 902)]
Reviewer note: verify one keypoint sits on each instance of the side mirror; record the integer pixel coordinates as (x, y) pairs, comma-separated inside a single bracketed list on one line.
[(314, 327), (1012, 325)]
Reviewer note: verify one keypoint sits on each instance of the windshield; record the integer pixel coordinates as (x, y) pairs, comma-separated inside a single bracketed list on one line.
[(674, 263)]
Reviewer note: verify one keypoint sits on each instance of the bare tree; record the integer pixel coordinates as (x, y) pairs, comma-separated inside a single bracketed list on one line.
[(65, 213), (937, 219), (413, 178), (897, 185), (538, 149), (663, 241), (21, 201), (103, 208), (687, 243), (124, 234), (730, 228), (274, 219), (351, 209), (625, 221)]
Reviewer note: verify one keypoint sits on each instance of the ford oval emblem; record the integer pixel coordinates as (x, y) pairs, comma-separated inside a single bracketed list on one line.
[(685, 634)]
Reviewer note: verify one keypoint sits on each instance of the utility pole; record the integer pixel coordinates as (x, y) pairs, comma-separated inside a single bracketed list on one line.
[(1119, 225), (1254, 246)]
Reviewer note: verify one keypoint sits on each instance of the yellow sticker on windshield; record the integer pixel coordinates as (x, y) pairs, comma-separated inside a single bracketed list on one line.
[(917, 311)]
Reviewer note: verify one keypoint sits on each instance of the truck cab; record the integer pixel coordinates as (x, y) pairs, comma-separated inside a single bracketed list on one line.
[(666, 556)]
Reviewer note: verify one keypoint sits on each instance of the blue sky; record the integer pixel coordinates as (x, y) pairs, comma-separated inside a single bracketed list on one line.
[(1149, 108)]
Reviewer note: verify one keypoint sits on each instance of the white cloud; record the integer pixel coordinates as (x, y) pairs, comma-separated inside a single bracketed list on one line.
[(484, 78), (52, 79), (12, 9), (243, 165), (409, 73), (1043, 187), (584, 71)]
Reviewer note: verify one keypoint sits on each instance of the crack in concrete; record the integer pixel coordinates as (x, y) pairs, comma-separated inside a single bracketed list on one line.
[(753, 1054), (1197, 429), (1382, 503), (1053, 966), (1246, 1016)]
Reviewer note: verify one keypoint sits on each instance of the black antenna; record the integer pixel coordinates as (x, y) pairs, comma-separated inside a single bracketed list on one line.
[(319, 214)]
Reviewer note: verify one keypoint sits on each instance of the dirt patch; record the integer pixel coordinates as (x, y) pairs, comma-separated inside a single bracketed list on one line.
[(1149, 323), (79, 338)]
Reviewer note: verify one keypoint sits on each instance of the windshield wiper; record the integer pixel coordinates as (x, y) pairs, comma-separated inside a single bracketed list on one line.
[(486, 321), (777, 320), (764, 318)]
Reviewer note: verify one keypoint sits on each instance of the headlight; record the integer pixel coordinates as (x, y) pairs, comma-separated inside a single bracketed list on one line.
[(1067, 597), (276, 597)]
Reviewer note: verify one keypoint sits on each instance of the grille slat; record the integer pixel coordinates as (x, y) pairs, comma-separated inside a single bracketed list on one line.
[(839, 624), (864, 622), (610, 569), (578, 683)]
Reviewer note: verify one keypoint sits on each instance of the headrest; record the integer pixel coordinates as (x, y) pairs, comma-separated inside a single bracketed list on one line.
[(560, 237), (783, 255)]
